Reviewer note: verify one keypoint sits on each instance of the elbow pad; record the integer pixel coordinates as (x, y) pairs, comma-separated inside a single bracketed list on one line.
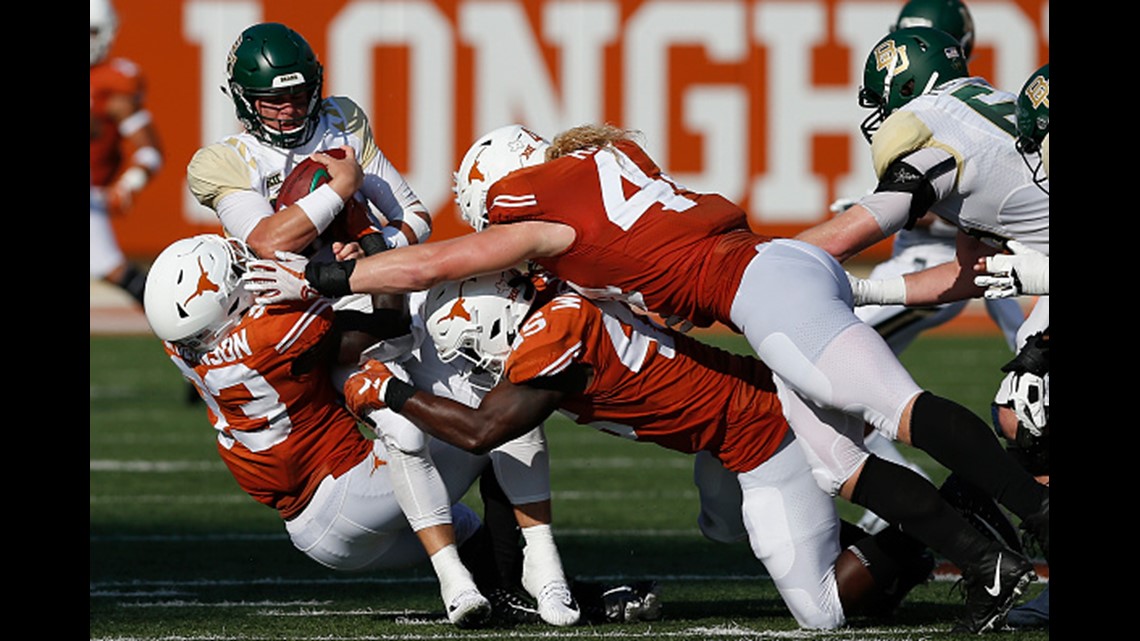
[(923, 178)]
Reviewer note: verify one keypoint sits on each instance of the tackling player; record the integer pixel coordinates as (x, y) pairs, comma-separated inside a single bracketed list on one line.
[(596, 211), (544, 348)]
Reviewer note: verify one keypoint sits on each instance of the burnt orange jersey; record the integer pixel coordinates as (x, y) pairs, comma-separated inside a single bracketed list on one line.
[(652, 384), (116, 76), (641, 237), (279, 432)]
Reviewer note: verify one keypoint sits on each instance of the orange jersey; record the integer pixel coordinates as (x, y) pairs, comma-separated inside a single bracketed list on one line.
[(640, 237), (279, 433), (652, 384), (109, 78)]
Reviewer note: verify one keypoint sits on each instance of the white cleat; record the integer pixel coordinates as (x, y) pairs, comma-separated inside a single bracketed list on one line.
[(556, 605), (469, 609)]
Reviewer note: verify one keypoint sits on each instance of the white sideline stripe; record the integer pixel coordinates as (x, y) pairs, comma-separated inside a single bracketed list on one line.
[(158, 587), (234, 499), (232, 537), (733, 631), (111, 465)]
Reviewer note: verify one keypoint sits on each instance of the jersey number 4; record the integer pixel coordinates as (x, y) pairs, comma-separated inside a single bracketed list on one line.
[(624, 212)]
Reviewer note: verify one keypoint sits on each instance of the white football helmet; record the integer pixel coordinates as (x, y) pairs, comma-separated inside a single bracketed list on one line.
[(194, 293), (477, 319), (104, 26), (493, 156)]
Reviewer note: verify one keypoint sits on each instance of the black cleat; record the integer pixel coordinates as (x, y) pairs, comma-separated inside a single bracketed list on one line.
[(981, 511), (992, 585), (509, 608)]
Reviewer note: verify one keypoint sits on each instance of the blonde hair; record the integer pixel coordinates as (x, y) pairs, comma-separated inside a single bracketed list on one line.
[(584, 136)]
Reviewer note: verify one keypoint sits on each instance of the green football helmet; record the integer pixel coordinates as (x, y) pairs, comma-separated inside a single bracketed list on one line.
[(1032, 112), (950, 16), (904, 65), (270, 60)]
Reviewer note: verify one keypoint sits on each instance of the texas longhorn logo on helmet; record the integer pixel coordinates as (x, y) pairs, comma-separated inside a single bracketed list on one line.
[(204, 285)]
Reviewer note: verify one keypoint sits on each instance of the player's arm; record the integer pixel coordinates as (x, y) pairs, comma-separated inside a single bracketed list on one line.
[(507, 412), (143, 147), (943, 283), (407, 220), (293, 228), (413, 268)]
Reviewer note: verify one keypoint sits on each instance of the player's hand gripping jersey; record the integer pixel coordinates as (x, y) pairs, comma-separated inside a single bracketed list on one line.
[(640, 237), (281, 428), (652, 385)]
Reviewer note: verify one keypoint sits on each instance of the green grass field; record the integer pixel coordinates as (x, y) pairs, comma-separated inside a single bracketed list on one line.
[(177, 551)]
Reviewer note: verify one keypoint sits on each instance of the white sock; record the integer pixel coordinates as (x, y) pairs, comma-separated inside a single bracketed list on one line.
[(453, 575), (541, 562)]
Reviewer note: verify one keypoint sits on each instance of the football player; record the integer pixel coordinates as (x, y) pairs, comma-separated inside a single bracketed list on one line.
[(594, 209), (929, 242), (265, 376), (276, 83), (269, 378), (544, 348), (1026, 271), (125, 149)]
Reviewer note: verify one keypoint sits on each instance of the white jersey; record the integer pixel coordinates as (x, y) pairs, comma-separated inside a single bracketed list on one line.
[(994, 196), (242, 164)]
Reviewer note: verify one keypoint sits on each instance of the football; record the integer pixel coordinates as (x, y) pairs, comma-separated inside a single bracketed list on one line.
[(305, 177), (353, 223)]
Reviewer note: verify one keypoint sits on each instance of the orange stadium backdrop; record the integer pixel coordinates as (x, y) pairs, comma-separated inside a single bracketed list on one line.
[(755, 99)]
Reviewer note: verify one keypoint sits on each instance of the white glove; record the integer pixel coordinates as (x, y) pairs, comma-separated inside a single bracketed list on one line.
[(277, 281), (886, 291), (1025, 271), (1028, 395)]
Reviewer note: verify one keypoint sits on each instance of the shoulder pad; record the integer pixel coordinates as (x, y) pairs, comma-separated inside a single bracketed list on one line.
[(900, 134)]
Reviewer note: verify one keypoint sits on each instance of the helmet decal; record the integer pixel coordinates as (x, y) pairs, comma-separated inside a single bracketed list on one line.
[(1038, 91), (204, 284), (891, 58), (457, 309)]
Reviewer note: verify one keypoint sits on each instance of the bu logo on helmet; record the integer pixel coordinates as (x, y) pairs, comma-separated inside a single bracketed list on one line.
[(1038, 91), (891, 58)]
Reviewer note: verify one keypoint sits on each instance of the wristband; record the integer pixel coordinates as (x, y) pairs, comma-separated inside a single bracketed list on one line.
[(396, 393), (133, 179), (321, 206), (134, 122), (330, 279), (373, 243), (420, 228)]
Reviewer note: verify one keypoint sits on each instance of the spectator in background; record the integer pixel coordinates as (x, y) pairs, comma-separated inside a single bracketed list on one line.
[(125, 150)]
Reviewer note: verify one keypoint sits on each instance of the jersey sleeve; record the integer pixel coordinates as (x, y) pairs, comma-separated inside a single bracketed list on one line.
[(550, 340), (216, 170), (899, 135)]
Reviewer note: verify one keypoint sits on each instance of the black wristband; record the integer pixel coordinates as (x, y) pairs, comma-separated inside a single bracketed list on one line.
[(373, 244), (397, 393), (330, 279)]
